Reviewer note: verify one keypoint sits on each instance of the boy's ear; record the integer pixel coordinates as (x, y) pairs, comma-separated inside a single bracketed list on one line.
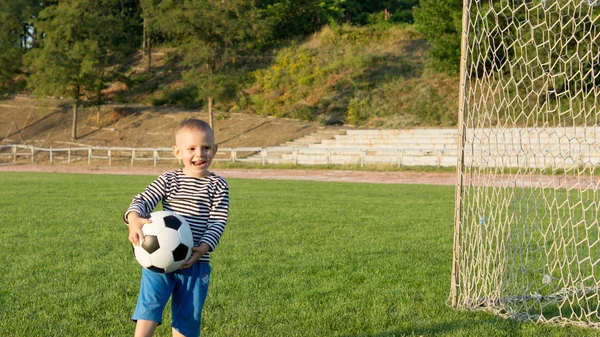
[(216, 148), (176, 151)]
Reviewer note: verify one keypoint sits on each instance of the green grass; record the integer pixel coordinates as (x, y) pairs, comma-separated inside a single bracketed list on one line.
[(297, 259)]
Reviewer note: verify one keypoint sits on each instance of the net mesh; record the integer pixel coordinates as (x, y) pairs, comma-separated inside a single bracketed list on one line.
[(527, 239)]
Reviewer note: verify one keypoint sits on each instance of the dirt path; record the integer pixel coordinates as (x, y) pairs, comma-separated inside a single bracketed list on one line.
[(313, 175)]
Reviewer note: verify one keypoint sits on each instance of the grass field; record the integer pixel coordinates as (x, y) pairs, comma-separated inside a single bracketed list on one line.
[(297, 259)]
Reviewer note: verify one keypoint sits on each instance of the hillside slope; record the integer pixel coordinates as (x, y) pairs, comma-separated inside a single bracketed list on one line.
[(373, 76), (48, 123), (339, 77)]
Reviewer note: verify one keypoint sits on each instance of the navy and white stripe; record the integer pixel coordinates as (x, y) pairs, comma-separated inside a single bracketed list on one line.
[(203, 202)]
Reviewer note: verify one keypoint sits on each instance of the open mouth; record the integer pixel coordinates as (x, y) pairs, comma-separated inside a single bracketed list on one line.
[(199, 163)]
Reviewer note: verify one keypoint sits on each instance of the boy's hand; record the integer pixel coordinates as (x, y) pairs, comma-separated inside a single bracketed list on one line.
[(136, 236), (197, 253)]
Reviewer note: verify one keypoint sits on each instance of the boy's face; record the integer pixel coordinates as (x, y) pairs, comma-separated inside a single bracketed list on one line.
[(196, 149)]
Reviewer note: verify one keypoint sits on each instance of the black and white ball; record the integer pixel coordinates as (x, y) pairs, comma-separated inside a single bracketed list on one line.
[(167, 243)]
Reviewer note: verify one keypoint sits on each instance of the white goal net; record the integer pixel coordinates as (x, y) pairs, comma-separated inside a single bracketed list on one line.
[(527, 238)]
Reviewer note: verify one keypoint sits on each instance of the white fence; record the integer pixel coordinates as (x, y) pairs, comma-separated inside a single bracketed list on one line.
[(256, 155)]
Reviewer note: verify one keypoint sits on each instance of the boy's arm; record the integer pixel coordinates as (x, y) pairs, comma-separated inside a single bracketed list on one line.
[(140, 208), (144, 203)]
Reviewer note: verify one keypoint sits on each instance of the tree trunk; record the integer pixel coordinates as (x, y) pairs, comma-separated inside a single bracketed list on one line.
[(149, 46), (74, 127), (144, 37), (210, 113), (144, 27), (75, 106)]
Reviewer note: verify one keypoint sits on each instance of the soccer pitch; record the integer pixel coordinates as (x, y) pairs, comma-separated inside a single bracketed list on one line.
[(297, 259)]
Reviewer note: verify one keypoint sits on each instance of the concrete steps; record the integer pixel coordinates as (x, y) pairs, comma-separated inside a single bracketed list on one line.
[(324, 134), (533, 147), (275, 156)]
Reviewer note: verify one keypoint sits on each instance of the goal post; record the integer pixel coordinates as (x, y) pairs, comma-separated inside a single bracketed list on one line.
[(526, 230)]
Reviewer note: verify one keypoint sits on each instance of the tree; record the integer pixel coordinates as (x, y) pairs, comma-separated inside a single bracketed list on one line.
[(292, 18), (14, 16), (360, 11), (149, 8), (80, 39), (441, 23), (214, 35)]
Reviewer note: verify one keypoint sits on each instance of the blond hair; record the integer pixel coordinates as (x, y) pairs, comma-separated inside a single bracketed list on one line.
[(193, 124)]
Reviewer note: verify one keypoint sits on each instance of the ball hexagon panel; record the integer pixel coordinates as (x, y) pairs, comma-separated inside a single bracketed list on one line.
[(169, 238), (162, 258), (185, 232)]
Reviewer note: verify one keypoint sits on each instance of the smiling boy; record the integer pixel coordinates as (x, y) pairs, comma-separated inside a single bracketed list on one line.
[(195, 147), (202, 198)]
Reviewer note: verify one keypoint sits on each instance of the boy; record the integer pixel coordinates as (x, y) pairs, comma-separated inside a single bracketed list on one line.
[(202, 198)]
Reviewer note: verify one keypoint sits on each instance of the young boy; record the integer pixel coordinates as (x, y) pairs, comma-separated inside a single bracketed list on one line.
[(202, 198)]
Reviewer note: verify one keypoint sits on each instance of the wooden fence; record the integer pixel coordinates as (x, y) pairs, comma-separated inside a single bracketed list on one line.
[(257, 155)]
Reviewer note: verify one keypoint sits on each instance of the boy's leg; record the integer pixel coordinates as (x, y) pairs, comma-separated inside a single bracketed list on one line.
[(176, 333), (155, 290), (188, 299), (144, 328)]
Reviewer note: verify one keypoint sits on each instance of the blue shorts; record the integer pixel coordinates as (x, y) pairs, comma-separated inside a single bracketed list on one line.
[(186, 287)]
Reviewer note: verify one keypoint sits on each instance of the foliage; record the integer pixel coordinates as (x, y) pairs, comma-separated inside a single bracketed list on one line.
[(317, 60), (81, 38), (150, 11), (329, 77), (440, 21), (289, 18), (407, 102), (13, 16), (186, 96), (215, 37), (369, 12)]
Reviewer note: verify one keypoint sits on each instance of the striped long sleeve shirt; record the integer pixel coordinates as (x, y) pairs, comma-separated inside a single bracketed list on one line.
[(203, 202)]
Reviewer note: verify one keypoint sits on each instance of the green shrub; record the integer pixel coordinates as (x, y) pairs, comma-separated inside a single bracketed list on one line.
[(304, 113), (359, 111), (158, 101), (139, 79), (370, 76), (440, 22), (263, 106), (221, 116), (186, 97)]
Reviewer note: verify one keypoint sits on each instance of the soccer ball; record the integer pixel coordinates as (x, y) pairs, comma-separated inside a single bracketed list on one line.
[(167, 243)]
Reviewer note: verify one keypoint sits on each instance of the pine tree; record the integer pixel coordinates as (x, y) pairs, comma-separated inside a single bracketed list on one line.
[(14, 16), (80, 36), (214, 35)]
